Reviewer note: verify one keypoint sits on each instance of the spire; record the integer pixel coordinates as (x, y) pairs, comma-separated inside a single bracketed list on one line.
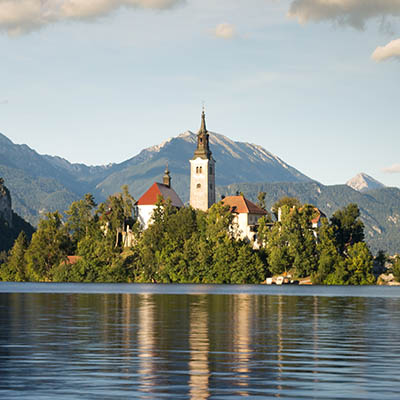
[(203, 128), (203, 149), (167, 177)]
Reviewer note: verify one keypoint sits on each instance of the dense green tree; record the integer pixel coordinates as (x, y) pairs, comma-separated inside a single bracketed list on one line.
[(396, 269), (49, 246), (248, 267), (348, 227), (291, 244), (329, 259), (290, 202), (359, 265), (79, 217), (15, 268), (302, 240)]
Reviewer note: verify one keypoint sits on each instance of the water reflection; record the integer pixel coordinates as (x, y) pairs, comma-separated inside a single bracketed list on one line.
[(146, 343), (199, 349), (198, 346)]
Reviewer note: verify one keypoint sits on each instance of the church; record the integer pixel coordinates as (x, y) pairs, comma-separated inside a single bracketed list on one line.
[(202, 192), (202, 182)]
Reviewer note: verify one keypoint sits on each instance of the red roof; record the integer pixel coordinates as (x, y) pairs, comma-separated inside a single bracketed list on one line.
[(156, 190), (240, 205), (319, 215)]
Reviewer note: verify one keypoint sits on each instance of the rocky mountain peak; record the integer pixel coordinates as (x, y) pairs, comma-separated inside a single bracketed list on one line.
[(363, 182), (5, 203)]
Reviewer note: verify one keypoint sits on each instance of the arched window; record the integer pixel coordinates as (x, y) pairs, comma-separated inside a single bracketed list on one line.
[(201, 169), (198, 186), (197, 170)]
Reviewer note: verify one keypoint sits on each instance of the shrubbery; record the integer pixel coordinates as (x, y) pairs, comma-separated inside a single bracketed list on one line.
[(189, 246)]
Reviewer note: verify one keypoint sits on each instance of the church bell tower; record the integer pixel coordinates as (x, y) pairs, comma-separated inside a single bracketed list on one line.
[(202, 171)]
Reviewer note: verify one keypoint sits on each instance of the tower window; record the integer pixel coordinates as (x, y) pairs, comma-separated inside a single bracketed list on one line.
[(198, 186), (197, 170), (201, 169), (210, 185)]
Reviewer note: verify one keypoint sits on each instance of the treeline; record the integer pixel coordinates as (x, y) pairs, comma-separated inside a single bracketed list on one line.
[(189, 246)]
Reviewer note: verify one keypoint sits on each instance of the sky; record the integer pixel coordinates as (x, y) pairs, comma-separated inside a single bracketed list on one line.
[(316, 82)]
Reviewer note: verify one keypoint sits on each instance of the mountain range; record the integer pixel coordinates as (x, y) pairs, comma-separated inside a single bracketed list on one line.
[(42, 183)]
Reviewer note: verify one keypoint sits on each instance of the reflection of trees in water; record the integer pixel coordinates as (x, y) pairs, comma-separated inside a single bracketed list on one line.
[(197, 346)]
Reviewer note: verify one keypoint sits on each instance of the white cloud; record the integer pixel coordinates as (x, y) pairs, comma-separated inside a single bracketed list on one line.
[(394, 169), (225, 31), (354, 13), (5, 101), (391, 50), (21, 16)]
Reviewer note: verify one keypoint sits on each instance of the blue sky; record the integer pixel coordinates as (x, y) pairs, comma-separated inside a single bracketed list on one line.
[(315, 82)]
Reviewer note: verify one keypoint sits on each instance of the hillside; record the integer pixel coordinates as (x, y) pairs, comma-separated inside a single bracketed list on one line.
[(11, 224), (380, 208)]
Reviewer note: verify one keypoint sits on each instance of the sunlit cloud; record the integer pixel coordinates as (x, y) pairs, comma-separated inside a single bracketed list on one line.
[(225, 31), (23, 16), (394, 169), (391, 50), (353, 13)]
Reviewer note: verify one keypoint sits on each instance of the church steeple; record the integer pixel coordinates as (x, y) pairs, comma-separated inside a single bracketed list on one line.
[(167, 177), (203, 122), (202, 171), (203, 148)]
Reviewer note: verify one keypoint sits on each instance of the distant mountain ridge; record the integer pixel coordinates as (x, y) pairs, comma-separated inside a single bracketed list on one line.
[(235, 162), (42, 183)]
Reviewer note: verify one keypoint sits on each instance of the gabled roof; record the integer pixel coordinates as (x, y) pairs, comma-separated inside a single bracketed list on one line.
[(240, 205), (156, 190), (318, 216)]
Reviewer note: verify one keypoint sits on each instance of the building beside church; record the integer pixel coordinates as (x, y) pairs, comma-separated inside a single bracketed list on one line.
[(202, 171), (145, 206), (246, 215)]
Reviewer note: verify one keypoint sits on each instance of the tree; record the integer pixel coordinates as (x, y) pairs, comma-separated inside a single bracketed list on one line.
[(261, 200), (348, 227), (290, 202), (330, 269), (14, 269), (302, 242), (79, 216), (359, 265), (49, 246), (396, 269)]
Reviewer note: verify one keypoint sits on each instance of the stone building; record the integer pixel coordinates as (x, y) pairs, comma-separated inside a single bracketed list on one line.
[(246, 215), (202, 171)]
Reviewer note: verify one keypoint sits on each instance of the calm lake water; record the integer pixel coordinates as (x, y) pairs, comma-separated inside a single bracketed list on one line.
[(67, 341)]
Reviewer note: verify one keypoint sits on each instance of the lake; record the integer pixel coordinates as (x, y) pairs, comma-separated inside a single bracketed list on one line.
[(111, 341)]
